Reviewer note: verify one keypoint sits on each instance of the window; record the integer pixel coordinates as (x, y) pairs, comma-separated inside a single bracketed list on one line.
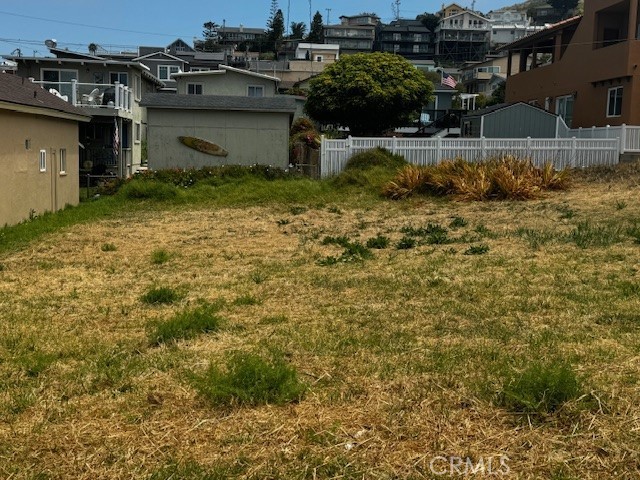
[(63, 161), (165, 71), (137, 133), (59, 79), (417, 37), (319, 58), (200, 69), (397, 37), (43, 160), (255, 91), (564, 108), (137, 86), (119, 77), (194, 88), (416, 49), (614, 103)]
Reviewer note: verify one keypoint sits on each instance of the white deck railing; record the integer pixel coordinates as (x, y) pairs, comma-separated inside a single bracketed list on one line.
[(629, 135), (95, 95), (562, 152)]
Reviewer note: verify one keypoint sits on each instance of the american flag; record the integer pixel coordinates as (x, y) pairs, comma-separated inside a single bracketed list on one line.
[(448, 80)]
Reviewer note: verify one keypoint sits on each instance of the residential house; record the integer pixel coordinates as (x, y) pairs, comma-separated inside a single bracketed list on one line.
[(38, 150), (545, 14), (108, 90), (461, 35), (409, 38), (163, 65), (353, 34), (584, 69), (484, 77), (242, 38), (227, 81), (508, 26), (309, 59)]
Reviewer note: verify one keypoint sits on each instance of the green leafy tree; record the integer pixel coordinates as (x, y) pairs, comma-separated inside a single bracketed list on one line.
[(210, 34), (298, 29), (316, 33), (429, 20), (498, 95), (565, 6), (275, 31), (368, 92)]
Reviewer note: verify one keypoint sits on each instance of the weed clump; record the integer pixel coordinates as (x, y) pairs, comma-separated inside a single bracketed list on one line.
[(161, 295), (353, 251), (377, 157), (160, 256), (108, 247), (540, 388), (379, 243), (186, 324), (148, 190), (501, 178), (249, 379)]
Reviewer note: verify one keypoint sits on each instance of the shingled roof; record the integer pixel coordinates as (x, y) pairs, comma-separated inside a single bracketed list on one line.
[(19, 91), (284, 103)]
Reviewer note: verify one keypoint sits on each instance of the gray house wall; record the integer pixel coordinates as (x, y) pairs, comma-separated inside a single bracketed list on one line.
[(249, 137), (515, 121), (227, 84)]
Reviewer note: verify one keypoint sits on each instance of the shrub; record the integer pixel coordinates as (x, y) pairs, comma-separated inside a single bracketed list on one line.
[(377, 157), (186, 324), (498, 178), (540, 388), (159, 295), (249, 379), (302, 124)]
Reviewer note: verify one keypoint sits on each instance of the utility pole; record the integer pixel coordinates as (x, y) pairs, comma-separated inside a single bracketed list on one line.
[(310, 17), (328, 16), (288, 17), (395, 6)]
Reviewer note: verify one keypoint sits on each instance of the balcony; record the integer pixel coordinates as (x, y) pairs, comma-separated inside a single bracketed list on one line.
[(98, 99)]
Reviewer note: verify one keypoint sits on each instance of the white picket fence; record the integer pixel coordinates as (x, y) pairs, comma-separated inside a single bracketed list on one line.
[(562, 152), (629, 135)]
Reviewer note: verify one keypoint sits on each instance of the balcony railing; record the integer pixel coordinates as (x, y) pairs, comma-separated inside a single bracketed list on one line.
[(94, 95)]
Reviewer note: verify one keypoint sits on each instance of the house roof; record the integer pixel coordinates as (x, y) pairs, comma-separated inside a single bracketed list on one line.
[(541, 34), (16, 93), (282, 104), (503, 106), (162, 54), (222, 69)]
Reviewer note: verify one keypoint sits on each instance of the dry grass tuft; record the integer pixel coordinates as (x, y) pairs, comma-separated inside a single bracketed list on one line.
[(503, 178)]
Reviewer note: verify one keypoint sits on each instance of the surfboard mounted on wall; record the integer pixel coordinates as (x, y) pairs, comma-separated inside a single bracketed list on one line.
[(204, 146)]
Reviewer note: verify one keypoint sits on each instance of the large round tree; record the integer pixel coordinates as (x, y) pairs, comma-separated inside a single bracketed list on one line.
[(368, 92)]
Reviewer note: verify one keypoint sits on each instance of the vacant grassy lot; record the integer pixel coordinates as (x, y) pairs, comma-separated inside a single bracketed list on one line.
[(472, 330)]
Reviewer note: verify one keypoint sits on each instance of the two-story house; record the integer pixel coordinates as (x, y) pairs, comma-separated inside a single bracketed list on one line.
[(507, 26), (354, 33), (485, 76), (409, 38), (108, 90), (584, 69), (461, 35)]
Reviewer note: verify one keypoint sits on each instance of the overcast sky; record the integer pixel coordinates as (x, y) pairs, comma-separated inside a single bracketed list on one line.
[(74, 24)]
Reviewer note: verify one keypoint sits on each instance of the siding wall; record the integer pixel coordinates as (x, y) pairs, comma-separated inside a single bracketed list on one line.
[(229, 83), (519, 121), (249, 138), (23, 188)]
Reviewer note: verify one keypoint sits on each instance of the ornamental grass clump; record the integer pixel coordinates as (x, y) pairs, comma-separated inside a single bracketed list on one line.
[(498, 178)]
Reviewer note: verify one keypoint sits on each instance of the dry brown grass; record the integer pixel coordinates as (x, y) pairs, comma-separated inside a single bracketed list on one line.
[(402, 353), (503, 178)]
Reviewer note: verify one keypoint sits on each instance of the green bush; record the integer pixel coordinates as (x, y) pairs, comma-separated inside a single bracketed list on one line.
[(540, 388), (160, 295), (377, 157), (249, 379), (186, 324)]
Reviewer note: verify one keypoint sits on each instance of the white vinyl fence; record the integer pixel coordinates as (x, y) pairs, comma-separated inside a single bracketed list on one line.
[(562, 152), (629, 135)]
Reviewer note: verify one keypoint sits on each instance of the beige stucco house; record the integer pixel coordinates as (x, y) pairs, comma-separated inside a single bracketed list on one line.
[(227, 81), (38, 150)]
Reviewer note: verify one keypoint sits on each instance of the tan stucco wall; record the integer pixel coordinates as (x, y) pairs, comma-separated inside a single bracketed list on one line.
[(249, 138), (229, 83), (23, 188), (578, 72)]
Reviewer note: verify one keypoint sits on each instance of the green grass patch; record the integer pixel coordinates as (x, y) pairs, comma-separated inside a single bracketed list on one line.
[(186, 324), (477, 249), (587, 235), (108, 247), (379, 242), (250, 379), (161, 295), (160, 256)]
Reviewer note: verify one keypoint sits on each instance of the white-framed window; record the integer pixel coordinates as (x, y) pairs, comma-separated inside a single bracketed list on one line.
[(255, 91), (43, 160), (137, 133), (59, 79), (63, 161), (199, 69), (194, 88), (165, 71), (119, 77), (564, 108), (614, 102), (416, 49)]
